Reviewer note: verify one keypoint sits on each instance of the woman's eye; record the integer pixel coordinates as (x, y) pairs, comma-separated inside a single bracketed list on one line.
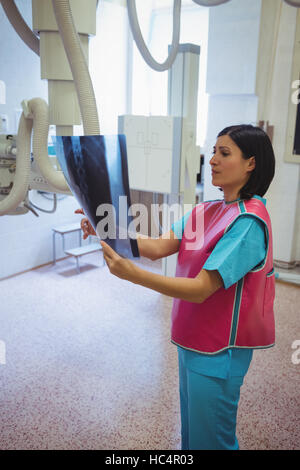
[(222, 153)]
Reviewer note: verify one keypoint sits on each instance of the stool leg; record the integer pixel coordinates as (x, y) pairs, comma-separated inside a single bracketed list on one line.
[(53, 247), (77, 264)]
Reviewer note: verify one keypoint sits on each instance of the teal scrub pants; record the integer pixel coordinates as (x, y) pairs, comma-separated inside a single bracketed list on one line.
[(208, 408)]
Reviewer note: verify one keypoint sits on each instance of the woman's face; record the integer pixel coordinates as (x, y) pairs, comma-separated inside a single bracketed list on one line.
[(230, 171)]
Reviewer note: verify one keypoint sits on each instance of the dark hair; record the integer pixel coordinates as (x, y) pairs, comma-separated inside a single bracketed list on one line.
[(253, 141)]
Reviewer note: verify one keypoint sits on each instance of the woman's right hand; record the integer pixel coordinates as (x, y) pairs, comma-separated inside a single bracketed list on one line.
[(85, 224)]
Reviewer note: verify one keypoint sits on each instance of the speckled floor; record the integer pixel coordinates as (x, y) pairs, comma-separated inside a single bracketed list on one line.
[(89, 365)]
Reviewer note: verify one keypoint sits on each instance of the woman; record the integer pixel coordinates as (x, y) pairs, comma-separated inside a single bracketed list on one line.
[(224, 286)]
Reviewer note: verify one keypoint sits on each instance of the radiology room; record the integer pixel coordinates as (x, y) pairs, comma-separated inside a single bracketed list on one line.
[(150, 225)]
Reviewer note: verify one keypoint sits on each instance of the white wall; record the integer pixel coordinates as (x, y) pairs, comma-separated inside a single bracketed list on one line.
[(243, 88), (232, 75), (25, 240), (150, 88), (284, 192), (233, 38), (108, 64)]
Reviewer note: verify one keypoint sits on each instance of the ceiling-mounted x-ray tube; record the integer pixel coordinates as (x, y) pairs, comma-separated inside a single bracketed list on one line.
[(20, 26), (78, 65), (137, 35)]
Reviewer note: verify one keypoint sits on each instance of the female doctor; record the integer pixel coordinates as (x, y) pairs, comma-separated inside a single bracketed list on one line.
[(224, 286)]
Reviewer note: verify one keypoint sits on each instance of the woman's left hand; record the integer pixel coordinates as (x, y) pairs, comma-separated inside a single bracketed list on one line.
[(120, 267)]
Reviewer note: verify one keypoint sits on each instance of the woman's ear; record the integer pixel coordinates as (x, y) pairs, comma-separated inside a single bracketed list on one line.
[(251, 163)]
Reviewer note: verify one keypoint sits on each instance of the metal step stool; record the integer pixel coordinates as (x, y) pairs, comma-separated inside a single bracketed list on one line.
[(83, 250), (78, 251)]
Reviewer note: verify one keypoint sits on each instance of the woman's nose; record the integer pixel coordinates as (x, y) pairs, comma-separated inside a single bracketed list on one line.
[(212, 160)]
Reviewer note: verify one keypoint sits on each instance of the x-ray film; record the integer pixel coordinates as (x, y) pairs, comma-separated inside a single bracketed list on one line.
[(96, 171)]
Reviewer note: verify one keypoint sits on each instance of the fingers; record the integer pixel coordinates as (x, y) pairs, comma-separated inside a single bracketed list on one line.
[(106, 260), (85, 227), (108, 251), (105, 255), (83, 224), (105, 248), (117, 265), (79, 211), (110, 256)]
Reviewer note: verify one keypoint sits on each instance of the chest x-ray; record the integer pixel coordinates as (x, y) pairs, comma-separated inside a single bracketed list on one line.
[(96, 171)]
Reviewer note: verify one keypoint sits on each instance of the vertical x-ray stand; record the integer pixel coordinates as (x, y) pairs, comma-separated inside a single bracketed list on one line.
[(182, 101)]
